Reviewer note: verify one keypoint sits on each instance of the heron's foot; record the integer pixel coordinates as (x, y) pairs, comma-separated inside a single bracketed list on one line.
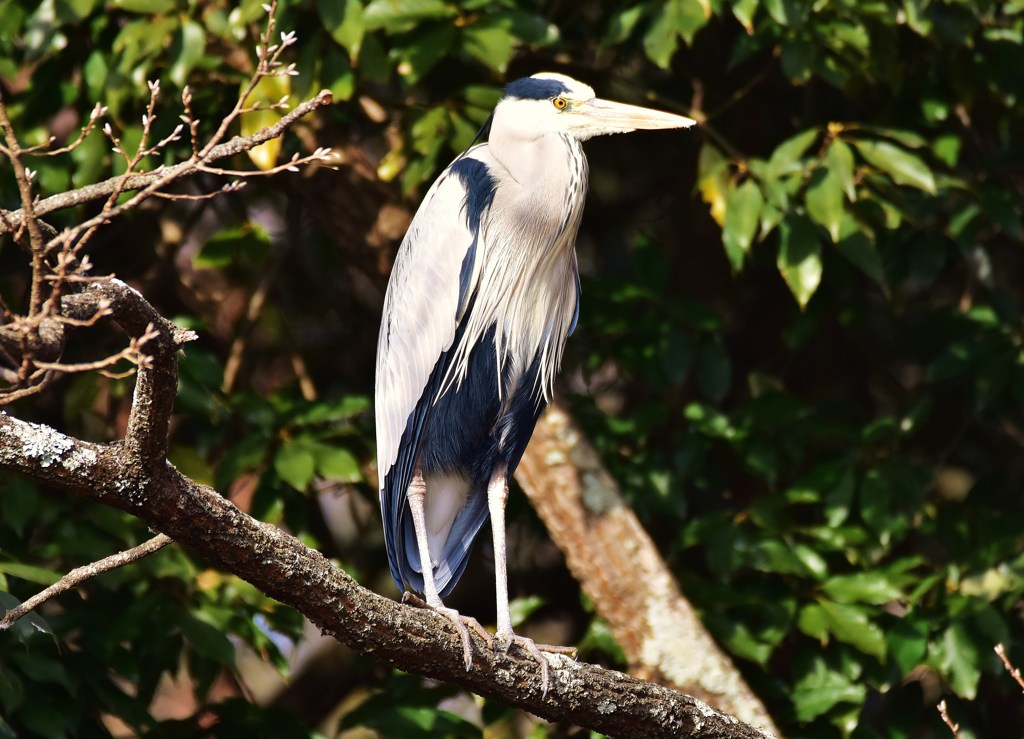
[(461, 623), (505, 639)]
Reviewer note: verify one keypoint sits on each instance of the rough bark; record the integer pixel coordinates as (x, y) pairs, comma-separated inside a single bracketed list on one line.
[(617, 565), (134, 476)]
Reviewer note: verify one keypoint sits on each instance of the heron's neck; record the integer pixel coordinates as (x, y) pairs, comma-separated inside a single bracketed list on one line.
[(548, 161)]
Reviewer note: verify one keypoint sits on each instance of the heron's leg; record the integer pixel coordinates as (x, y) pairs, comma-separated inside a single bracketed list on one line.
[(497, 496), (416, 495)]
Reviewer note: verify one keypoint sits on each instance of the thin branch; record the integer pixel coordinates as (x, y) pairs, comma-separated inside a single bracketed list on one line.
[(23, 177), (144, 180), (81, 574), (954, 728), (1014, 672)]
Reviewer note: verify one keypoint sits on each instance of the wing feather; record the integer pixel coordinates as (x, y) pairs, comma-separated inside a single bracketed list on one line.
[(433, 275)]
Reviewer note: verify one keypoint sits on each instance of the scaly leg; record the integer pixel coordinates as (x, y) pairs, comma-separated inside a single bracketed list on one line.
[(416, 495), (497, 496)]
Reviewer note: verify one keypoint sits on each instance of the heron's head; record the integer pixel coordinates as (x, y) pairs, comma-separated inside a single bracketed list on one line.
[(553, 103)]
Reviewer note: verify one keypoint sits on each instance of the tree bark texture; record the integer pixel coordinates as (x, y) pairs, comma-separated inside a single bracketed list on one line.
[(134, 475), (617, 565)]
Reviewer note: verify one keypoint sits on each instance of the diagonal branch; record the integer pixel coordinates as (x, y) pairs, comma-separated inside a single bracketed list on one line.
[(408, 638), (134, 476), (80, 574), (145, 180), (612, 557)]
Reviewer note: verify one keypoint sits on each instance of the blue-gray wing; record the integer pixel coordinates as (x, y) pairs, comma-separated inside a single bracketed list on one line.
[(433, 275)]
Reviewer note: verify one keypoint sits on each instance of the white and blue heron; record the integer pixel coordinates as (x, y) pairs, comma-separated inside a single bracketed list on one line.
[(483, 295)]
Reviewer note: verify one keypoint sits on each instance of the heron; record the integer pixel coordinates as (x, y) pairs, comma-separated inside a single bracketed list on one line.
[(483, 294)]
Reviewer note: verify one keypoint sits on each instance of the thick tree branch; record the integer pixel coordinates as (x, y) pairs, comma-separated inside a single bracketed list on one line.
[(134, 476), (408, 638), (617, 565)]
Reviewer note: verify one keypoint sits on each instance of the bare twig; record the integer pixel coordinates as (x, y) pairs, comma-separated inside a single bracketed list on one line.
[(81, 574), (954, 728), (58, 259), (143, 180), (1014, 672), (23, 177)]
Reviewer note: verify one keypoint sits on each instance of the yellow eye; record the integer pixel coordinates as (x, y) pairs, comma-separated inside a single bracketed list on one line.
[(560, 103)]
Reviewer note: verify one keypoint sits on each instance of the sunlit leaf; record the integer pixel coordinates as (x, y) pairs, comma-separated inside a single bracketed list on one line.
[(799, 259), (490, 42), (268, 91), (337, 463), (343, 19), (825, 200), (787, 156), (186, 51), (851, 624), (742, 213), (961, 660), (744, 11), (145, 6), (839, 162), (861, 587), (662, 38), (401, 15), (904, 168), (821, 688), (295, 464), (713, 180)]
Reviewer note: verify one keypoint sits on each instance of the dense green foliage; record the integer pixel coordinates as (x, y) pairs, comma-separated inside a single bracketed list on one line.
[(799, 349)]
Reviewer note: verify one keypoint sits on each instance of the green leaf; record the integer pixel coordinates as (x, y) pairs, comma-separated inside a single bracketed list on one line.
[(839, 162), (522, 608), (961, 660), (336, 463), (790, 13), (862, 587), (145, 6), (343, 19), (209, 641), (25, 627), (742, 213), (73, 11), (31, 573), (691, 16), (430, 44), (825, 200), (856, 246), (813, 621), (744, 11), (662, 39), (395, 16), (621, 25), (186, 51), (786, 159), (799, 259), (491, 42), (851, 625), (821, 688), (908, 643), (904, 168), (337, 75), (295, 464)]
